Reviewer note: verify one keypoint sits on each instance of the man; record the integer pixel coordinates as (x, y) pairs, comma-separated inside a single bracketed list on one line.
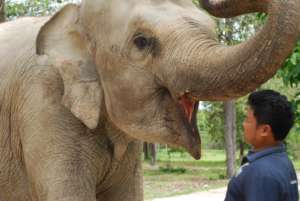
[(266, 173)]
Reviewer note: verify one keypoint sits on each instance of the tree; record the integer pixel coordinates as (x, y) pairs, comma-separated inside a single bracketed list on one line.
[(230, 136), (229, 110), (153, 150), (215, 124), (150, 150), (2, 11), (146, 151)]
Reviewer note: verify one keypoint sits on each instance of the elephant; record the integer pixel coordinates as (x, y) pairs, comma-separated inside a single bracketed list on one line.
[(80, 90)]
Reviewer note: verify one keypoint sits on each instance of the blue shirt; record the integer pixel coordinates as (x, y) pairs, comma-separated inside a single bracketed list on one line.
[(267, 175)]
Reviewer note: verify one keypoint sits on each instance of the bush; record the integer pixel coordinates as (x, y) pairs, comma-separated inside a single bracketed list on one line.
[(170, 169)]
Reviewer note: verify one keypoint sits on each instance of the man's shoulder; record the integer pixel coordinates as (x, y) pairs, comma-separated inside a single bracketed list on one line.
[(258, 168), (251, 174), (272, 163), (274, 160), (276, 166)]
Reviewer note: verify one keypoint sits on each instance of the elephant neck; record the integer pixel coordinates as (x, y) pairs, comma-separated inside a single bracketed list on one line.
[(122, 171), (117, 140)]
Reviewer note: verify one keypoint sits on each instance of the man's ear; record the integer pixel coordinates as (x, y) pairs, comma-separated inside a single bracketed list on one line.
[(62, 44), (265, 130)]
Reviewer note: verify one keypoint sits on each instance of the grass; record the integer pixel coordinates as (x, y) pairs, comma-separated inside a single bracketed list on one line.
[(180, 174)]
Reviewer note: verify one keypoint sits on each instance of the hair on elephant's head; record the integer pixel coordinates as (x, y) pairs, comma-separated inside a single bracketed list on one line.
[(150, 61)]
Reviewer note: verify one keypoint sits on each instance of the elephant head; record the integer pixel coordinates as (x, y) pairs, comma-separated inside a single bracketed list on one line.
[(149, 62)]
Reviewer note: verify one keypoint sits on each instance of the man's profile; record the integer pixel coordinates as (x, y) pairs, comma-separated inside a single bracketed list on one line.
[(266, 173)]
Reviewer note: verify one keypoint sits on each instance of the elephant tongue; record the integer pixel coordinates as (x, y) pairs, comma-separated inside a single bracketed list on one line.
[(188, 107)]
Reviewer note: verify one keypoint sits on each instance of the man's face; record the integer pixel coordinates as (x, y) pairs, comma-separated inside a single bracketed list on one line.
[(250, 127), (258, 135)]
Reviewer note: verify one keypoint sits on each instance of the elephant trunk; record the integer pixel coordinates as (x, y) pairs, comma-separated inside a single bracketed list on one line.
[(211, 71), (232, 8)]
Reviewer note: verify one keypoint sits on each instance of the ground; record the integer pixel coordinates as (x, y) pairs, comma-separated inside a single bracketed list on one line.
[(179, 174), (210, 195)]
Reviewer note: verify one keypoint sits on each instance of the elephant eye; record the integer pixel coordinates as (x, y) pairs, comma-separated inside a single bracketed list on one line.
[(149, 45), (142, 42)]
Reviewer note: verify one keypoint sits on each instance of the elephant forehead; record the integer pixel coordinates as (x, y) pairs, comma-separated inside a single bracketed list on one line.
[(161, 14), (130, 16)]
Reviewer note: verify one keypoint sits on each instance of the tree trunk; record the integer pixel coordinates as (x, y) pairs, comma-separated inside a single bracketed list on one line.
[(153, 154), (230, 136), (150, 152), (226, 36), (242, 150), (146, 151), (2, 11)]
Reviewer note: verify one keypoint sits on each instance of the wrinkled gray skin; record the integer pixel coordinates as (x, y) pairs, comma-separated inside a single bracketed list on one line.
[(79, 90)]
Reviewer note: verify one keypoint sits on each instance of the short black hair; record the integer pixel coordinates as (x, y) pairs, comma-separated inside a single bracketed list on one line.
[(272, 108)]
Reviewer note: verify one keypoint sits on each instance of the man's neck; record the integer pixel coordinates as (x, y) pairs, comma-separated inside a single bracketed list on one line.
[(266, 146)]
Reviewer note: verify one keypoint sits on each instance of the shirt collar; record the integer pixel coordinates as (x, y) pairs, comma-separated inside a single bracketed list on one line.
[(252, 155)]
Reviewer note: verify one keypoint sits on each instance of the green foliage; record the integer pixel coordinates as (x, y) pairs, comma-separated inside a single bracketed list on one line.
[(213, 113), (171, 150), (215, 124), (217, 176), (290, 74), (291, 68), (239, 28), (261, 17), (240, 105), (16, 9), (208, 155), (293, 139), (27, 8)]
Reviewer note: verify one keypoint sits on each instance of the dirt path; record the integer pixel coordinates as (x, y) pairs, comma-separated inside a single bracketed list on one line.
[(211, 195)]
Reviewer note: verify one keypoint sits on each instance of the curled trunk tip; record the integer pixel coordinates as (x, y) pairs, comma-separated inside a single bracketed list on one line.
[(232, 8)]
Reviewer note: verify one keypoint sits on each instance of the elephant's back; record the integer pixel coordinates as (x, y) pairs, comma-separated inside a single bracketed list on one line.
[(17, 53), (17, 39)]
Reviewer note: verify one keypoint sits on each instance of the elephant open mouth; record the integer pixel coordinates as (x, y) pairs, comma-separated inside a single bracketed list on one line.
[(190, 108)]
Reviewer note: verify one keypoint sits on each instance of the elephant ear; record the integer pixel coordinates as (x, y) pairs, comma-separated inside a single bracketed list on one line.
[(61, 43)]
